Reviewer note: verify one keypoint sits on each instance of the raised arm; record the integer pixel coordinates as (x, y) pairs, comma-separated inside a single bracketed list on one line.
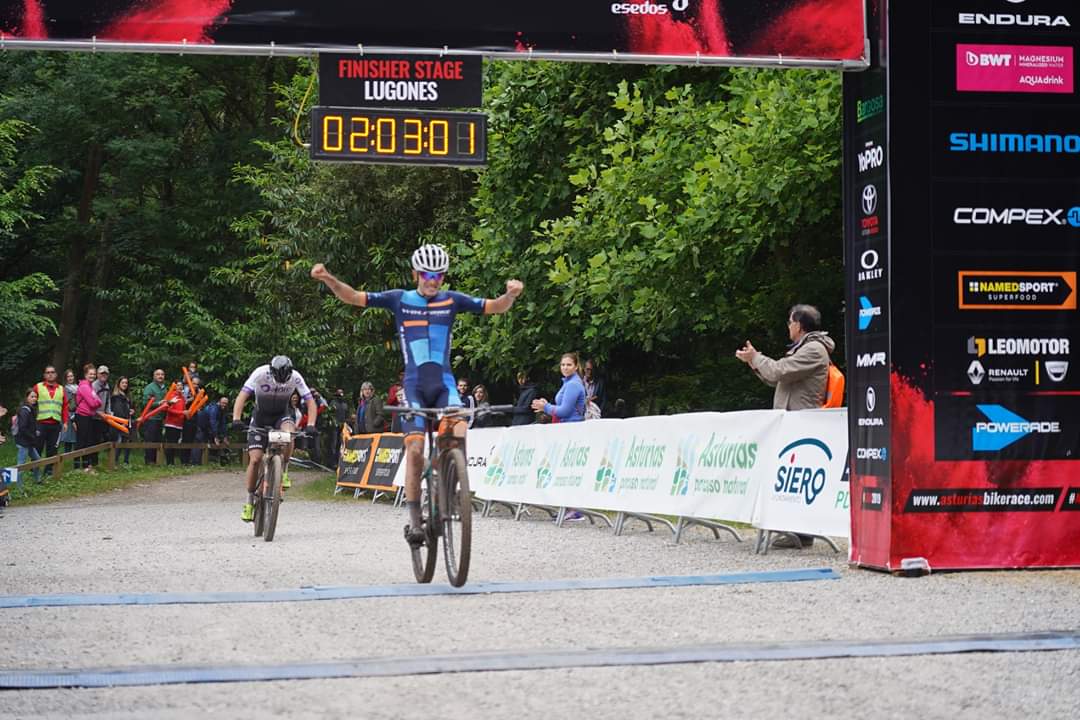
[(345, 293), (501, 304)]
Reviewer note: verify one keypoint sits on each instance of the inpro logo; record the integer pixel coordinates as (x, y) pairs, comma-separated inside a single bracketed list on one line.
[(801, 471), (1016, 216), (868, 360), (872, 157), (1003, 427)]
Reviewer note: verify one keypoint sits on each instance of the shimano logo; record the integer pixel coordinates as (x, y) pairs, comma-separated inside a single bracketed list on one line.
[(871, 158), (1013, 19), (866, 360), (1019, 216), (1046, 143), (645, 8)]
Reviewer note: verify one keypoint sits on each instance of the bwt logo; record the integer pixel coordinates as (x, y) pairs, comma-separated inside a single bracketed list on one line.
[(804, 472), (988, 59)]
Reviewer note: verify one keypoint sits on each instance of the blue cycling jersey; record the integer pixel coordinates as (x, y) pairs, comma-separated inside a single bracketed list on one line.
[(424, 329)]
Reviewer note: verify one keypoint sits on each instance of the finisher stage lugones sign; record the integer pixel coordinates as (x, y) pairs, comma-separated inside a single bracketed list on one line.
[(963, 238), (660, 30)]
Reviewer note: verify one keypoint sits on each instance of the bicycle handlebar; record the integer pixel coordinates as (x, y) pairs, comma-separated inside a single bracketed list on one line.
[(453, 410)]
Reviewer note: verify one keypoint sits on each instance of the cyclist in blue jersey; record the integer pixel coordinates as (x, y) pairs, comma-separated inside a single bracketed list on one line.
[(424, 318)]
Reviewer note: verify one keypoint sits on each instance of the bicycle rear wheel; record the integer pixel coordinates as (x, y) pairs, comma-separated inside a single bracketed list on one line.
[(423, 557), (456, 516), (260, 519), (272, 498)]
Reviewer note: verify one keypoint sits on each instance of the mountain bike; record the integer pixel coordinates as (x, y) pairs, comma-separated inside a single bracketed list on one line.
[(268, 494), (446, 503)]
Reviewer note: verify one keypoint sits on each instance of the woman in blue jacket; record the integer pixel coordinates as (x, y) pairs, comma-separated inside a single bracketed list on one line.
[(569, 405)]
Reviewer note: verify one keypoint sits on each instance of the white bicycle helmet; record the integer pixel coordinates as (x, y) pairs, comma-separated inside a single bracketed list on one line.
[(430, 258)]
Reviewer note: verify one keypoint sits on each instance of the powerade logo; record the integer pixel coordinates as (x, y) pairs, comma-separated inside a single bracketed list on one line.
[(1016, 216), (1003, 427), (867, 312), (801, 472), (1046, 143), (871, 107)]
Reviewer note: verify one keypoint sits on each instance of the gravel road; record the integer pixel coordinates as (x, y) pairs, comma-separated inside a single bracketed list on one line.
[(185, 535)]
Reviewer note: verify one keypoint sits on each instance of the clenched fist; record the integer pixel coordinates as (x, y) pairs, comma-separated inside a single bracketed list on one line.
[(514, 288)]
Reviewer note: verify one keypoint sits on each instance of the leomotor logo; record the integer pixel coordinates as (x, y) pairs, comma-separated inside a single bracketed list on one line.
[(867, 360), (1017, 216), (1017, 346), (867, 312), (1003, 427), (801, 472), (871, 158), (1019, 290), (870, 262)]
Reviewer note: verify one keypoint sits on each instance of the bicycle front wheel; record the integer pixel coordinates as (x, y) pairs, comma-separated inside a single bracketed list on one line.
[(423, 557), (456, 516), (272, 496), (260, 517)]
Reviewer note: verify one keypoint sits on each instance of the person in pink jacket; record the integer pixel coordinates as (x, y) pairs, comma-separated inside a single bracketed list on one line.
[(87, 406)]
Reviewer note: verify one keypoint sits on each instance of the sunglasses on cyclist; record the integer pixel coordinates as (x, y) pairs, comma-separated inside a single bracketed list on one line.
[(432, 275)]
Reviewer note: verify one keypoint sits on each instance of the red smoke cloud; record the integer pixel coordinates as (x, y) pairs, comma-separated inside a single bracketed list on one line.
[(663, 35), (169, 21), (814, 28)]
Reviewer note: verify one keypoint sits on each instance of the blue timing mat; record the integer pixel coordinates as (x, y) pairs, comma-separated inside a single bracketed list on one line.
[(412, 590), (533, 660)]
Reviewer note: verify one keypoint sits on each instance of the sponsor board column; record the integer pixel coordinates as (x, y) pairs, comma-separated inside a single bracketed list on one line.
[(984, 177)]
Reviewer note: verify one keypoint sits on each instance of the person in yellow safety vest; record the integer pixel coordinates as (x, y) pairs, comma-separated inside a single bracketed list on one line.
[(52, 414)]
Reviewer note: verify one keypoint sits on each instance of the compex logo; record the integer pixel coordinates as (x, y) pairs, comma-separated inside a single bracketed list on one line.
[(801, 471), (1004, 427)]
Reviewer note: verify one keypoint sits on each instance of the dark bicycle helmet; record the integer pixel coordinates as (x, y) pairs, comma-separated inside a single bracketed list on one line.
[(281, 368)]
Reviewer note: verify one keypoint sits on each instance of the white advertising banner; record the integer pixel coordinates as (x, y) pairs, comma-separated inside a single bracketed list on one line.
[(777, 470), (703, 465), (805, 486)]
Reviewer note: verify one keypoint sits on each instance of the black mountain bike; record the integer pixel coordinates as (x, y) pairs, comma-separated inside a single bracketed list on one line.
[(268, 484), (446, 503)]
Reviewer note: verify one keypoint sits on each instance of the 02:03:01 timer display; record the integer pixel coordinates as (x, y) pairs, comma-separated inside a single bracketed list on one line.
[(406, 137)]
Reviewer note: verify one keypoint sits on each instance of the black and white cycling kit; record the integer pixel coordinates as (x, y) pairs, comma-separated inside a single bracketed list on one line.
[(271, 401)]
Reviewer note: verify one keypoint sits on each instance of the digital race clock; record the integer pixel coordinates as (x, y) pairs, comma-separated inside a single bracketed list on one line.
[(406, 137)]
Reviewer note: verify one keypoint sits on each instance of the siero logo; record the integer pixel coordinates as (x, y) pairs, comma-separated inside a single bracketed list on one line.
[(801, 470), (1004, 427), (867, 312), (866, 360), (870, 261), (1017, 346), (1018, 216), (871, 158)]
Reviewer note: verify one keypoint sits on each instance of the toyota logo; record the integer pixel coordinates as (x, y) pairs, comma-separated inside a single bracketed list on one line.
[(871, 399), (869, 200)]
